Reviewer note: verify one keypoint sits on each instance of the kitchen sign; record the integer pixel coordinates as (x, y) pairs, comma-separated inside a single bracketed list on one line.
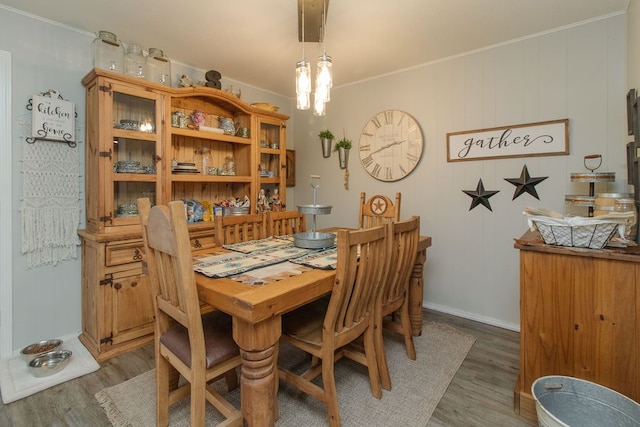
[(53, 118), (549, 138)]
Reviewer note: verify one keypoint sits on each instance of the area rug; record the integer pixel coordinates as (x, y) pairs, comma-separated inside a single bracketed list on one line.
[(16, 382), (417, 387)]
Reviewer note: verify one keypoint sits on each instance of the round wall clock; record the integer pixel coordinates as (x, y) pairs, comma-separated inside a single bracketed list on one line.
[(390, 145)]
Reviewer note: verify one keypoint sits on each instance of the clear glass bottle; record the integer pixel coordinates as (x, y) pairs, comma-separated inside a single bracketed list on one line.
[(628, 205), (158, 67), (109, 52), (134, 63)]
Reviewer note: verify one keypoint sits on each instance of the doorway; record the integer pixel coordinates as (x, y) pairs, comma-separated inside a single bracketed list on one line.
[(6, 209)]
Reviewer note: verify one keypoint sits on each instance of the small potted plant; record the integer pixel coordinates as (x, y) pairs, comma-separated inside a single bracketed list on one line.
[(343, 146), (326, 139)]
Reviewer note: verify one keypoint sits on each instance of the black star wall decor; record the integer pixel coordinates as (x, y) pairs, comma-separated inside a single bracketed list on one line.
[(480, 196), (525, 184)]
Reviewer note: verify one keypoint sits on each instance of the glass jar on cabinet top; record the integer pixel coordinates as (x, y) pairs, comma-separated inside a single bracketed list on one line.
[(158, 67), (134, 62), (109, 52)]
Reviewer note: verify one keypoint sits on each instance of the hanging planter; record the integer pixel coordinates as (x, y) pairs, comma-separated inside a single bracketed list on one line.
[(326, 139), (343, 146)]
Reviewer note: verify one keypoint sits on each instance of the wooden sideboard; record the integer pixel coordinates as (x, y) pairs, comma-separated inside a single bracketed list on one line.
[(579, 317)]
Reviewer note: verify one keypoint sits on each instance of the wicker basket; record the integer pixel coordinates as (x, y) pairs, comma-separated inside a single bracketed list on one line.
[(594, 236), (577, 232)]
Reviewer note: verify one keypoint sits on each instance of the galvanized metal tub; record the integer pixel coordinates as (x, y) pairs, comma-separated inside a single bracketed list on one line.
[(571, 402)]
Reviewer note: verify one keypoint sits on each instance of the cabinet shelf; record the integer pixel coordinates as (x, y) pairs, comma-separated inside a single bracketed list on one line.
[(132, 134), (270, 151), (198, 177), (271, 180), (210, 136), (134, 177)]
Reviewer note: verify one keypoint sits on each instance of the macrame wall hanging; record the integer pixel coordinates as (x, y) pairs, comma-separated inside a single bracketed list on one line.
[(51, 204)]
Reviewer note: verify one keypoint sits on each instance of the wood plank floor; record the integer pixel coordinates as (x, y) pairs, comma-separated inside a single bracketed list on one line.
[(481, 393)]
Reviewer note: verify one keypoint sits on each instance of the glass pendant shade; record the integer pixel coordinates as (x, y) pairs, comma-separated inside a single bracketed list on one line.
[(303, 85), (325, 72), (319, 105)]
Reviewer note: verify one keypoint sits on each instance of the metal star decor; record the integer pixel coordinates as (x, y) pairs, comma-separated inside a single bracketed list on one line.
[(480, 196), (526, 184)]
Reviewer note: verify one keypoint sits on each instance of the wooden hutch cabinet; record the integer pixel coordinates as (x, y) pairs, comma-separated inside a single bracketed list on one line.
[(133, 144), (579, 317)]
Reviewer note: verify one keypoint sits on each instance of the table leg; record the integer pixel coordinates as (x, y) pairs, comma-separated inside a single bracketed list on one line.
[(416, 291), (259, 369)]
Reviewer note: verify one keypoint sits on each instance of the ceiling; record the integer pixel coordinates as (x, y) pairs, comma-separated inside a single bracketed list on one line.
[(256, 41)]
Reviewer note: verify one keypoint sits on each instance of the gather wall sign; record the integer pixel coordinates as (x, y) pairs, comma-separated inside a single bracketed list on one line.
[(550, 138)]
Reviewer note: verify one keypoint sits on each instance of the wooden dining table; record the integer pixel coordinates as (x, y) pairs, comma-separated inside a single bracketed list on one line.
[(257, 325)]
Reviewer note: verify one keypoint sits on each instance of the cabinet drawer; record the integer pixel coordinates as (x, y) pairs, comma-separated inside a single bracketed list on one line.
[(124, 253)]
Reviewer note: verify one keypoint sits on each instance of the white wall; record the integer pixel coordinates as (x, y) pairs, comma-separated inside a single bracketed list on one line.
[(472, 268)]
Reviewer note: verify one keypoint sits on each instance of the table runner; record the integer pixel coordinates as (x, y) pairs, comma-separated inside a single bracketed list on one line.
[(262, 257), (232, 263), (259, 245), (325, 260)]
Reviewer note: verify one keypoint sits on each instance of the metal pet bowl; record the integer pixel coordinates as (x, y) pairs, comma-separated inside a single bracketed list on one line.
[(39, 348), (49, 363), (314, 209), (314, 240)]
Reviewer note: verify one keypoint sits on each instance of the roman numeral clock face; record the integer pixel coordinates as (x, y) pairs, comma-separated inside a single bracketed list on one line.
[(390, 145)]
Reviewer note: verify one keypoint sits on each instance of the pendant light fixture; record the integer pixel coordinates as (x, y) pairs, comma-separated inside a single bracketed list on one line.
[(324, 73), (303, 77)]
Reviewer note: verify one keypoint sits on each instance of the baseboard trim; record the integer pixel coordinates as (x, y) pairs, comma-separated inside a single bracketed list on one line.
[(472, 316)]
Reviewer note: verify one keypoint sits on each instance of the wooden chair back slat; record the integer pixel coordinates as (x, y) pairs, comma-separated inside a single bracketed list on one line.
[(240, 228), (360, 270), (285, 223), (394, 298), (377, 210)]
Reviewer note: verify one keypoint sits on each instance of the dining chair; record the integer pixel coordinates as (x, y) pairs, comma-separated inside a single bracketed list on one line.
[(198, 347), (240, 228), (325, 328), (392, 312), (284, 223), (378, 209)]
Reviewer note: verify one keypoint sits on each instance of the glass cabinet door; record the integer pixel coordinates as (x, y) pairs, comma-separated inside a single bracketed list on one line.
[(134, 148), (272, 159)]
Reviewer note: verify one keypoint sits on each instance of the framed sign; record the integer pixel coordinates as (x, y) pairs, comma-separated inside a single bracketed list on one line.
[(527, 140), (53, 119)]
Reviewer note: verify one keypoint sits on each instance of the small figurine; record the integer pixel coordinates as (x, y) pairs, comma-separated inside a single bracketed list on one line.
[(198, 118), (246, 203), (263, 205), (229, 166), (185, 81), (276, 203)]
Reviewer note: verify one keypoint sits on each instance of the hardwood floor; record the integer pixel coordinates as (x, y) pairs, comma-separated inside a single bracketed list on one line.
[(481, 393)]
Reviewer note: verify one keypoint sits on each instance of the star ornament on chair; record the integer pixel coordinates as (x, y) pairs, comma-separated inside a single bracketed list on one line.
[(525, 184), (480, 196)]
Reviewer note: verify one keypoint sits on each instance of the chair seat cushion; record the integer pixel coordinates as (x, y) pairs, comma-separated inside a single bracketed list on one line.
[(218, 339), (305, 323)]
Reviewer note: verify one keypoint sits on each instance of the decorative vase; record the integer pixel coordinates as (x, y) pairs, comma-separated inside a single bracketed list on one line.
[(343, 154), (326, 147)]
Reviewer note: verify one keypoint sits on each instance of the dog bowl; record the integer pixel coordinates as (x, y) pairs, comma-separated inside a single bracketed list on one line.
[(39, 348), (49, 363)]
